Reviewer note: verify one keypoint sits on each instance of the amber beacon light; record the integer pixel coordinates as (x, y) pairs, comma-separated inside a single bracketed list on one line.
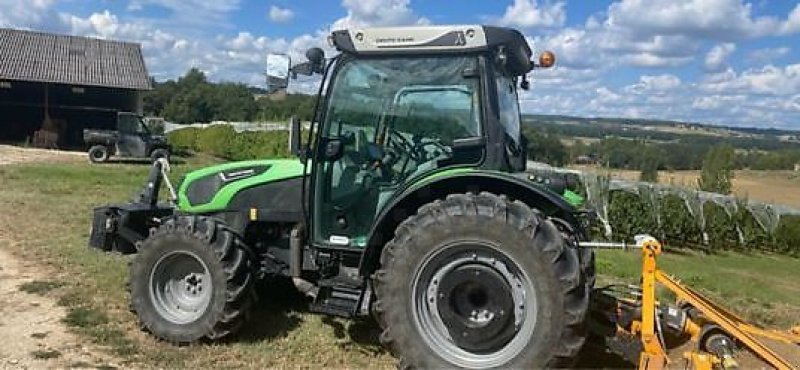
[(547, 59)]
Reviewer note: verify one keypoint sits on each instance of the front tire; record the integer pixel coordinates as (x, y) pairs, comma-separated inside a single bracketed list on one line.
[(192, 279), (478, 281), (98, 154)]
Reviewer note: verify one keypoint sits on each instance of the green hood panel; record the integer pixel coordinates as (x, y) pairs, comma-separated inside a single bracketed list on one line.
[(212, 188)]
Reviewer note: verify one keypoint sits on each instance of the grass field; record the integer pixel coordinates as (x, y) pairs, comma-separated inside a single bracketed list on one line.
[(46, 217)]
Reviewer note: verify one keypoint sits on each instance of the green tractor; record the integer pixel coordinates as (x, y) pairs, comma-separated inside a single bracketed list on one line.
[(409, 203)]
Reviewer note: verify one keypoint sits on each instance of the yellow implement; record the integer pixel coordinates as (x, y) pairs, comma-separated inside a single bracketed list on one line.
[(713, 329)]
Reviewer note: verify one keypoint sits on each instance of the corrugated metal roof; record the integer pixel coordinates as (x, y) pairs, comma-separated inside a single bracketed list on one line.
[(72, 60)]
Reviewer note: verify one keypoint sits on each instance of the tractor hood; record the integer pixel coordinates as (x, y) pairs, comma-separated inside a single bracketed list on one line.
[(212, 188)]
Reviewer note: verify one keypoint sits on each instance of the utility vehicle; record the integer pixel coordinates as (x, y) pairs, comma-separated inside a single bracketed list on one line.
[(131, 139), (408, 202)]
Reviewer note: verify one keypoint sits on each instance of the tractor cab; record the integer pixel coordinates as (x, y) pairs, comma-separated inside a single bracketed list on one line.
[(402, 103)]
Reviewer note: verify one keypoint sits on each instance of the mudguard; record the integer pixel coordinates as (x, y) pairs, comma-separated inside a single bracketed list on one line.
[(460, 180)]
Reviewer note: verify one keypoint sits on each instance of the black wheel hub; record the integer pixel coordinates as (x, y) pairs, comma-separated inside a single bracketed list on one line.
[(476, 306)]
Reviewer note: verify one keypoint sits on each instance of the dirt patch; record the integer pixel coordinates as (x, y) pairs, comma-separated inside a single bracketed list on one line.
[(31, 326), (13, 154)]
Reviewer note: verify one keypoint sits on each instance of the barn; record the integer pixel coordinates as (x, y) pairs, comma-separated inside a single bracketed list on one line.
[(53, 86)]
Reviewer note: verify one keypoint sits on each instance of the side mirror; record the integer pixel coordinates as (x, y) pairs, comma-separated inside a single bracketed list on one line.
[(315, 64), (295, 134), (277, 71), (316, 57)]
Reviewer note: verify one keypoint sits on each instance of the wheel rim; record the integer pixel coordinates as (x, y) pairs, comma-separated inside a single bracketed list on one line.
[(180, 287), (473, 305), (98, 154)]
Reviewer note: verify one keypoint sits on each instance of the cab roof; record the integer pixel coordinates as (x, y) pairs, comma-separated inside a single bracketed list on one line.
[(432, 40)]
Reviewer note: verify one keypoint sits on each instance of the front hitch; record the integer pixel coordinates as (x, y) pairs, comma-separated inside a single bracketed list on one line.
[(120, 227)]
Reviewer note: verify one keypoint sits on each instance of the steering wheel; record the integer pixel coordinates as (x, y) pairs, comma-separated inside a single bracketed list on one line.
[(419, 147), (401, 141)]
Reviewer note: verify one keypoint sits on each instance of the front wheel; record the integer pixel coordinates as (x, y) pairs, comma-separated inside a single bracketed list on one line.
[(477, 281), (98, 154), (191, 280)]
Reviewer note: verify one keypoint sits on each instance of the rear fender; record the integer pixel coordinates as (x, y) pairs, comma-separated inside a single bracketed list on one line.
[(407, 202)]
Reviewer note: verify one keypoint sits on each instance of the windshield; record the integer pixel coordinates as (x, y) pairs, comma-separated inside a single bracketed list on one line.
[(131, 124), (412, 109)]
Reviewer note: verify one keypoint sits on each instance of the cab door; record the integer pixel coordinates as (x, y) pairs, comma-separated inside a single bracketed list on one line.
[(387, 122)]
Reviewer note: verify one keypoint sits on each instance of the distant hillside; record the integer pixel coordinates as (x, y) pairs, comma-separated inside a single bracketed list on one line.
[(661, 125), (661, 131)]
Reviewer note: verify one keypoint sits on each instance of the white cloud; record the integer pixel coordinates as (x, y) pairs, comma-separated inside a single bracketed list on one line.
[(185, 8), (528, 14), (767, 55), (657, 83), (27, 14), (769, 80), (280, 15), (366, 13), (713, 102), (648, 59), (792, 24), (709, 19), (715, 59)]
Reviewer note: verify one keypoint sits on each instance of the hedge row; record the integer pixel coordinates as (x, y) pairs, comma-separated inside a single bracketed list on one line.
[(222, 141), (630, 215)]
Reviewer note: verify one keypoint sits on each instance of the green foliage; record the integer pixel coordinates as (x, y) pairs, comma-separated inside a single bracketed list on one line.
[(184, 139), (222, 141), (754, 237), (678, 226), (787, 235), (630, 215), (720, 227), (192, 98), (649, 173), (717, 175), (299, 105), (683, 144), (546, 147)]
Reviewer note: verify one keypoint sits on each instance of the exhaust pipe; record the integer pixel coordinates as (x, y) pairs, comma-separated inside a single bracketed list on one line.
[(296, 266)]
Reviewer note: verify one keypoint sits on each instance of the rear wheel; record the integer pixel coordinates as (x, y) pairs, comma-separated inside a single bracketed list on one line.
[(191, 280), (98, 153), (477, 281), (159, 153)]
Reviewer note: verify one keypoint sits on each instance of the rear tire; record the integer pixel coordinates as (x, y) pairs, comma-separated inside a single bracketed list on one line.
[(192, 279), (159, 153), (525, 309), (98, 154)]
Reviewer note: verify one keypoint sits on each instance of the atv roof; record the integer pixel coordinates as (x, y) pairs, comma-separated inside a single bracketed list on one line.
[(452, 39)]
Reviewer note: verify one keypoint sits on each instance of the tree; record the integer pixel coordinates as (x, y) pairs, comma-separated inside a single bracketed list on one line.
[(650, 160), (717, 175), (547, 148), (649, 172), (192, 98)]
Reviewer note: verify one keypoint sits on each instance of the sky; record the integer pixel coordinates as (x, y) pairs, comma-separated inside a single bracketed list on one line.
[(726, 62)]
